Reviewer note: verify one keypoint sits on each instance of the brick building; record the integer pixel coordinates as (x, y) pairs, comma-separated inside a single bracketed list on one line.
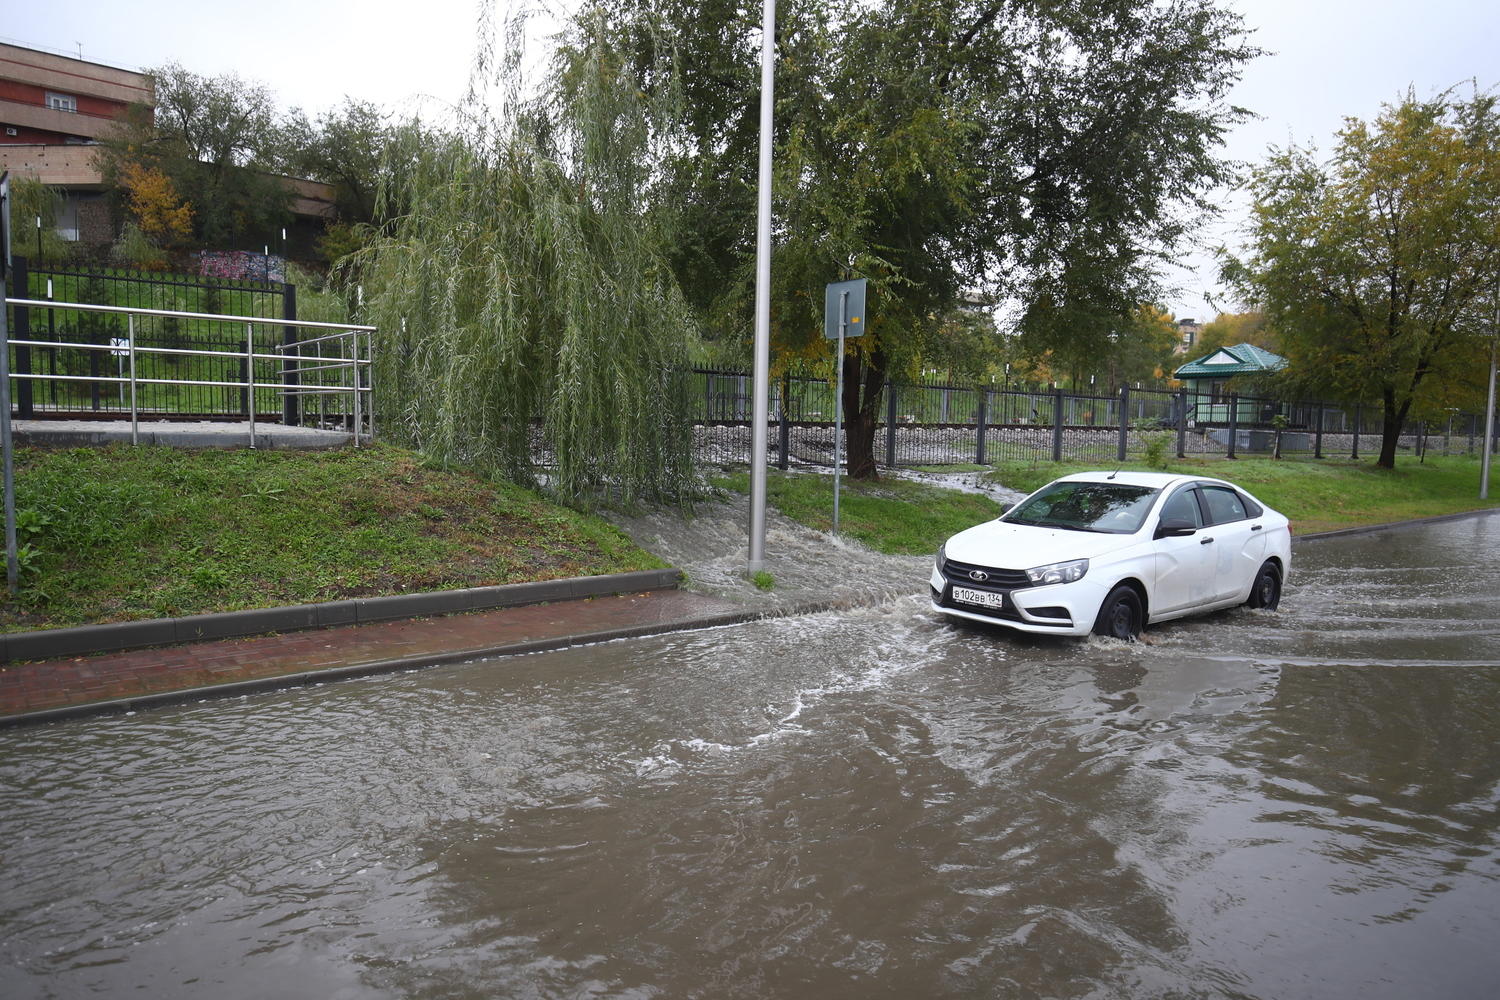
[(55, 108)]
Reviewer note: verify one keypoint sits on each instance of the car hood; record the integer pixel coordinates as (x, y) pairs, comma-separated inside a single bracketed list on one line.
[(1018, 546)]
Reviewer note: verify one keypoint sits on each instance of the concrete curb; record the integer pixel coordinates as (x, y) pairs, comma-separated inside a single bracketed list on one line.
[(51, 644), (182, 695), (194, 434)]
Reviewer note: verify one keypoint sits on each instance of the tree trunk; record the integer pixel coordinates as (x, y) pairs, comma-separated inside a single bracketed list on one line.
[(1391, 422), (863, 385)]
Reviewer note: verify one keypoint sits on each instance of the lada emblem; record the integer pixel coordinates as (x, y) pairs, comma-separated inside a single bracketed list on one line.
[(978, 575)]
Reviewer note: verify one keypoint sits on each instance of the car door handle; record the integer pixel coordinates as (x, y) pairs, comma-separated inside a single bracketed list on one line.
[(1255, 527), (1204, 541)]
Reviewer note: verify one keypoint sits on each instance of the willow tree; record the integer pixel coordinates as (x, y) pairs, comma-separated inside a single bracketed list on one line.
[(522, 292)]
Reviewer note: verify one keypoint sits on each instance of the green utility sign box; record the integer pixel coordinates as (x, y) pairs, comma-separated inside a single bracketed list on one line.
[(844, 306)]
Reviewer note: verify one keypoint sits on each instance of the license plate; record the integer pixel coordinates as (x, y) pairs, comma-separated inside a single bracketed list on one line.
[(984, 598)]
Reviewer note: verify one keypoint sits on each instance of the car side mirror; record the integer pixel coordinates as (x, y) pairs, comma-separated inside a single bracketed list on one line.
[(1006, 508), (1175, 527)]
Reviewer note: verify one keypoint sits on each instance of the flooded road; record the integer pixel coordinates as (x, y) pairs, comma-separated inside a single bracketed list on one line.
[(872, 803)]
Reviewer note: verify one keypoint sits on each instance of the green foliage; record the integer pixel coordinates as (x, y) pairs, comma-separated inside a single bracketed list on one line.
[(343, 148), (1155, 440), (1041, 152), (1229, 329), (525, 291), (966, 345), (134, 250), (122, 533), (32, 200), (1376, 268), (1141, 350), (341, 240), (763, 580), (317, 299), (216, 139)]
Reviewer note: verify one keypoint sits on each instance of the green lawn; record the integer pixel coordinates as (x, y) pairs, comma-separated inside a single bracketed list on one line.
[(1316, 495), (892, 516), (897, 516), (117, 534)]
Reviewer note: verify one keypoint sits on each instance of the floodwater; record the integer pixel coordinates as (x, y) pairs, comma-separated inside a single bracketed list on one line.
[(870, 803)]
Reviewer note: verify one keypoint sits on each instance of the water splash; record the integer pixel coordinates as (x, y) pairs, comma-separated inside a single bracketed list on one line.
[(808, 566)]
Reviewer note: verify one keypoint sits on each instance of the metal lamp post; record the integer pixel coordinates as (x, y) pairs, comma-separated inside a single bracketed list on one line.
[(762, 366), (1489, 425)]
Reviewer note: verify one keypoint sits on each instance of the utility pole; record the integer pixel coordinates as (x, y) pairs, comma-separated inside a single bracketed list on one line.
[(1489, 423), (762, 367)]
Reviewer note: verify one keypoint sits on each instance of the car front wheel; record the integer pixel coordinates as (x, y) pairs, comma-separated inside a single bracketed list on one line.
[(1267, 590), (1121, 615)]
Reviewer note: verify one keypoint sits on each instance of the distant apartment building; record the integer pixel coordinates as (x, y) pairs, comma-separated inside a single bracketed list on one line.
[(1187, 335), (54, 108)]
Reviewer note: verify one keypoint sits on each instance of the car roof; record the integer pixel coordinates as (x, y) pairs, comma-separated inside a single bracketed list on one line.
[(1153, 480)]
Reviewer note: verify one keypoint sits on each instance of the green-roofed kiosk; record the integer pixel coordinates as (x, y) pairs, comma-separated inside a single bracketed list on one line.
[(1207, 381)]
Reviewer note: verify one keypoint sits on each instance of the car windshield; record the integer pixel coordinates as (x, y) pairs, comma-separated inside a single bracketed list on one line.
[(1112, 508)]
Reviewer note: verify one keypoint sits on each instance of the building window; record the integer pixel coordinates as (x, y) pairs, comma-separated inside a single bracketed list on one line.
[(62, 102)]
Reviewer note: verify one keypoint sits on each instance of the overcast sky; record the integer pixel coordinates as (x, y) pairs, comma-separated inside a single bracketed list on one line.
[(1327, 59)]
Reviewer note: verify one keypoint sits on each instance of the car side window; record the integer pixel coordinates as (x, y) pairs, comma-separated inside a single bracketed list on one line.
[(1224, 505), (1182, 505)]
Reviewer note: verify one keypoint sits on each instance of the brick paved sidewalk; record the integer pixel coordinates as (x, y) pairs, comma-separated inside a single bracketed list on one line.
[(60, 688)]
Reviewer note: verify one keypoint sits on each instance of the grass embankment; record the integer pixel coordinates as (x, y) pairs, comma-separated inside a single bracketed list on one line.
[(118, 534), (893, 515), (1317, 495)]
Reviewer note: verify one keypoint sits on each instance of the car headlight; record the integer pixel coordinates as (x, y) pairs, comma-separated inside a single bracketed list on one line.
[(1063, 572), (942, 557)]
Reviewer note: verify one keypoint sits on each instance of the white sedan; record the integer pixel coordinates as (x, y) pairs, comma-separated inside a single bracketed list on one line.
[(1108, 552)]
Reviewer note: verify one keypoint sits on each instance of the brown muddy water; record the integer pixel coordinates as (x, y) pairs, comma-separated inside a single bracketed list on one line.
[(872, 803)]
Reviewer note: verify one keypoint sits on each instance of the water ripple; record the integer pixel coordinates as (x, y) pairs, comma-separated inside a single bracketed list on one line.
[(863, 803)]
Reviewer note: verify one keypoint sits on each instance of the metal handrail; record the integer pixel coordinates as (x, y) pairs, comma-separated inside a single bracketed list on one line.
[(179, 350), (288, 363), (125, 380), (319, 340), (133, 311)]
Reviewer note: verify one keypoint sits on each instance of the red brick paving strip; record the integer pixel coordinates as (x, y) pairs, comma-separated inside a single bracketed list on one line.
[(151, 674)]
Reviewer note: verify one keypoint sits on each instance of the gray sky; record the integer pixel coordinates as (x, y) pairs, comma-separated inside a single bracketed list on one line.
[(1327, 59)]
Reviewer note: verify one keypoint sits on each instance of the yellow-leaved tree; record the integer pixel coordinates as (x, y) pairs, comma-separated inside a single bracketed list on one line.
[(160, 213)]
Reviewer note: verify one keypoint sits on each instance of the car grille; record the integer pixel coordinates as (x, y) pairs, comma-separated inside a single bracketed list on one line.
[(999, 579)]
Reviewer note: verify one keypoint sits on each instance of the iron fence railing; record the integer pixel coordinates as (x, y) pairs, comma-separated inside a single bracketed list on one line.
[(330, 368), (180, 315), (926, 424)]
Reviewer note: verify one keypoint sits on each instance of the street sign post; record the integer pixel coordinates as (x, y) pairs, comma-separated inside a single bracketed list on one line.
[(843, 316)]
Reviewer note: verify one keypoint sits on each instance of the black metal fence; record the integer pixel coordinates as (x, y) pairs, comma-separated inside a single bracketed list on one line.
[(78, 396), (923, 424), (934, 424)]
